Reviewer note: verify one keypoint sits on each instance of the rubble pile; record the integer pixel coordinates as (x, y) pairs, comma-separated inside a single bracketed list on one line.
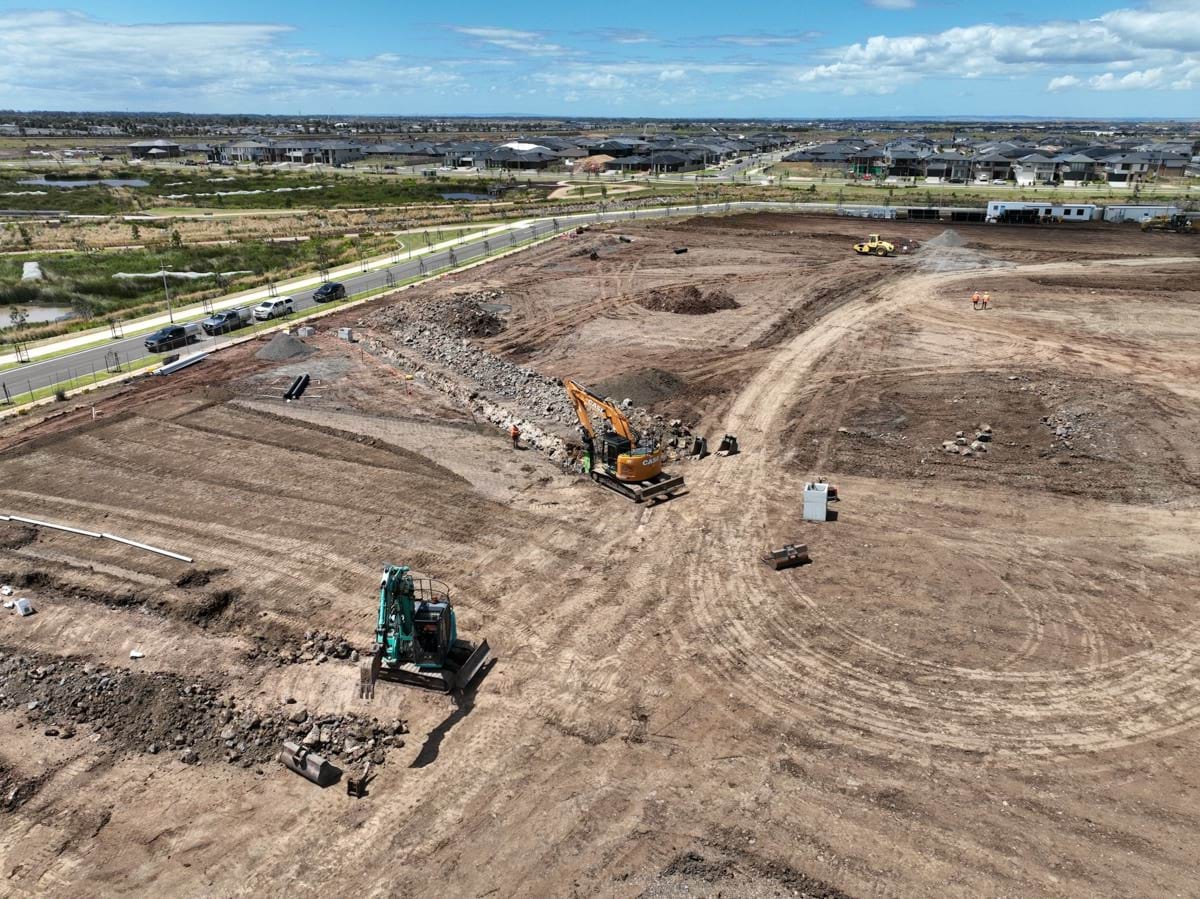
[(1072, 424), (434, 344), (688, 300), (460, 315), (157, 712), (962, 445), (318, 647)]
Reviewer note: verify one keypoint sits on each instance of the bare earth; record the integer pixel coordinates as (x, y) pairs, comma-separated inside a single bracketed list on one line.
[(986, 684)]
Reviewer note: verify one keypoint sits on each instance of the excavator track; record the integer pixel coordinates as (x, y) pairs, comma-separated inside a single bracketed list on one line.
[(658, 489)]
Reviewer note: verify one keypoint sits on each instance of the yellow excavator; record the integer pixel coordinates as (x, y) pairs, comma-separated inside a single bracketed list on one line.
[(617, 457), (875, 247)]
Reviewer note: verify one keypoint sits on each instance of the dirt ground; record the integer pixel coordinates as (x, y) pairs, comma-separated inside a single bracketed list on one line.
[(987, 683)]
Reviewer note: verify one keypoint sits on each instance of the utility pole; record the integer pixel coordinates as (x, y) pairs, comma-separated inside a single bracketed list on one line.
[(163, 269)]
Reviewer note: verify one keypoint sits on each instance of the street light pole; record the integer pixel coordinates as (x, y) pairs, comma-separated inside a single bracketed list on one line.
[(163, 270)]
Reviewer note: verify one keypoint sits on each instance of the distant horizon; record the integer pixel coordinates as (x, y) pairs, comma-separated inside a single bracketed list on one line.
[(1080, 59), (983, 119)]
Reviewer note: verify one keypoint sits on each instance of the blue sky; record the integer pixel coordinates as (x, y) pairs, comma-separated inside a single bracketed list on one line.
[(784, 59)]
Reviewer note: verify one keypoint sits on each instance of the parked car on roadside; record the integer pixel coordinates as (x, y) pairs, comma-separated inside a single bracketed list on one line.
[(269, 309), (227, 320), (168, 338), (334, 290)]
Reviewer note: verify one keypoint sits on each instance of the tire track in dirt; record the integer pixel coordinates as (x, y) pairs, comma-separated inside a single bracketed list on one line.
[(1007, 714)]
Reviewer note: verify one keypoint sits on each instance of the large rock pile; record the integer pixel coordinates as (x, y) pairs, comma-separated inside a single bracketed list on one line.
[(461, 315), (433, 340), (159, 712)]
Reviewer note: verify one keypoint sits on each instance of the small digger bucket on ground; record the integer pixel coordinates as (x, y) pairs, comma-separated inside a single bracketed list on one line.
[(728, 446)]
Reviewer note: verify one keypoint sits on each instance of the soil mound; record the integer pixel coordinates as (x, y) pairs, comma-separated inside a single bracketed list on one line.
[(284, 346), (948, 238), (689, 300), (645, 386)]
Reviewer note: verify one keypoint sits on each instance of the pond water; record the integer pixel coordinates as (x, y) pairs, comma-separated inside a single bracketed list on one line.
[(465, 196), (108, 182), (36, 314)]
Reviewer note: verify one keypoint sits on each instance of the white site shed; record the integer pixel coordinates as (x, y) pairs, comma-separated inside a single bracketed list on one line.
[(1066, 212), (1136, 213)]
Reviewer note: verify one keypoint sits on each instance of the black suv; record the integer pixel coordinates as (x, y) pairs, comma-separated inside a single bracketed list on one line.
[(328, 292), (168, 338)]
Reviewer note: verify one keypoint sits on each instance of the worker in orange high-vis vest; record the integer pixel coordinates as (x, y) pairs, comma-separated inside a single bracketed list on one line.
[(515, 433), (975, 300)]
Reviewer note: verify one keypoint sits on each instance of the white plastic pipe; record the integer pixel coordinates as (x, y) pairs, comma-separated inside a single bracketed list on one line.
[(147, 547), (50, 524)]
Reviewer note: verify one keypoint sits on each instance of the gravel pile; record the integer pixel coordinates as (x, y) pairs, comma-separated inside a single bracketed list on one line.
[(688, 300), (284, 346), (158, 712)]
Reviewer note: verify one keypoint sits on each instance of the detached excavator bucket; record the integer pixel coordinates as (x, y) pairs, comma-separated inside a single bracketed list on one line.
[(787, 556), (308, 764)]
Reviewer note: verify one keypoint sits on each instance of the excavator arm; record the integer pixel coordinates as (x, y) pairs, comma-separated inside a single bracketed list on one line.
[(581, 396)]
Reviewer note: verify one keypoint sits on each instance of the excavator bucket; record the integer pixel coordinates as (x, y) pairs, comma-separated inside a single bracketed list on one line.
[(368, 673), (787, 556), (357, 786), (308, 764)]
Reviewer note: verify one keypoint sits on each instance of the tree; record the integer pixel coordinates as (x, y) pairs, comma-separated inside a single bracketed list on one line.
[(135, 231), (176, 240), (26, 237), (18, 316)]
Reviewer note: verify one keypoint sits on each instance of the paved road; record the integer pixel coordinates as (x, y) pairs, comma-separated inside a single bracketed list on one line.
[(36, 375), (19, 382)]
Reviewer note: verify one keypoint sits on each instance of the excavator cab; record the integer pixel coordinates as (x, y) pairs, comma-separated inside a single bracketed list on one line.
[(433, 633)]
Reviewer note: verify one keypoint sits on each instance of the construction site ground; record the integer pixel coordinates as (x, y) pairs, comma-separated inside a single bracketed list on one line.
[(986, 683)]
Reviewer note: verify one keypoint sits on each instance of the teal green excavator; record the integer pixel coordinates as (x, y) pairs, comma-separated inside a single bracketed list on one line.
[(416, 637)]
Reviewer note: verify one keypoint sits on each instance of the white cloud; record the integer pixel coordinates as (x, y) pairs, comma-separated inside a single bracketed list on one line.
[(1062, 83), (69, 60), (532, 42), (893, 4), (1134, 81), (1142, 42), (766, 40)]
